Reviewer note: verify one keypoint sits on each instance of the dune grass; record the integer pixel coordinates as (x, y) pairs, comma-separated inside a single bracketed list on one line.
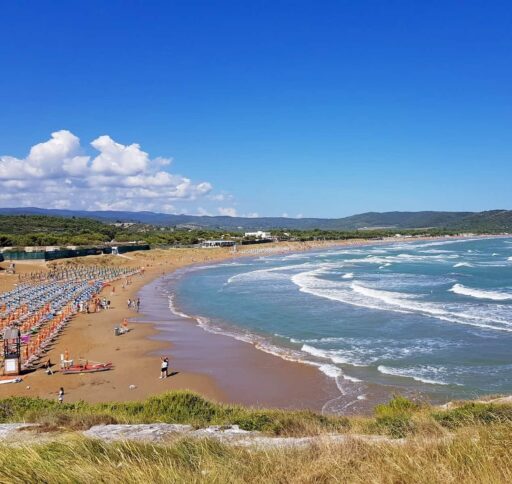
[(398, 418), (471, 443), (482, 454), (181, 407)]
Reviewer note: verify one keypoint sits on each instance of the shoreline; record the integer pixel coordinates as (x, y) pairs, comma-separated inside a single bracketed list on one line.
[(354, 396), (249, 376)]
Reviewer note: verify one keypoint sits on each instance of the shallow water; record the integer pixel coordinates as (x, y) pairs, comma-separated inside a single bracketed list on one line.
[(433, 317)]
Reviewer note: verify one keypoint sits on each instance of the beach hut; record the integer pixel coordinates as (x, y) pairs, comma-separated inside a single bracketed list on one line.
[(12, 351)]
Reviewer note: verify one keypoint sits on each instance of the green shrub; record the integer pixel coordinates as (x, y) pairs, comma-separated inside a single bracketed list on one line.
[(472, 413), (395, 417), (173, 407)]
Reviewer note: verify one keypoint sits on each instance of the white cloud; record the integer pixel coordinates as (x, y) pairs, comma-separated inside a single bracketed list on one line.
[(58, 155), (58, 173), (117, 159), (227, 211)]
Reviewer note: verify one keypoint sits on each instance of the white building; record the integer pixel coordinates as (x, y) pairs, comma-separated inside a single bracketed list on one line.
[(259, 235)]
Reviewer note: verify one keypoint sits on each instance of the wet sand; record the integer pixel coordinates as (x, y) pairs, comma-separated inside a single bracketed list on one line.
[(243, 373)]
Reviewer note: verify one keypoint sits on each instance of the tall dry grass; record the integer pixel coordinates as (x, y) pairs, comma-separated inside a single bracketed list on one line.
[(471, 443), (479, 454)]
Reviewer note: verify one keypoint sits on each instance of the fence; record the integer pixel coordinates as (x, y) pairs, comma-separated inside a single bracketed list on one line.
[(67, 253)]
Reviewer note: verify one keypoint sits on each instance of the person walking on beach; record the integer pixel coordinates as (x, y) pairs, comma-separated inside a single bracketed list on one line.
[(48, 366), (138, 304), (61, 395), (164, 367)]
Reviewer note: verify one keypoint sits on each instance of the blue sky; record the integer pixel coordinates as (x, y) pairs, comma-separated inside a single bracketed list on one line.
[(270, 107)]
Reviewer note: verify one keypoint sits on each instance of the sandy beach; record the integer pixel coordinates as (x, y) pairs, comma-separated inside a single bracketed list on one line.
[(216, 366), (135, 355)]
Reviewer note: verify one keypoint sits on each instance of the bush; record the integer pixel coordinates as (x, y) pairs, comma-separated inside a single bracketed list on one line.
[(395, 417), (173, 407), (474, 413)]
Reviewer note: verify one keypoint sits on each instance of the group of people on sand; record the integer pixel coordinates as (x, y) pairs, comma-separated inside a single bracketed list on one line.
[(134, 304), (96, 305)]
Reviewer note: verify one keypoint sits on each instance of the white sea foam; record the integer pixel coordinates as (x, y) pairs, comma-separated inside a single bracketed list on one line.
[(348, 275), (318, 340), (335, 356), (279, 272), (480, 294), (331, 371), (383, 266), (443, 242), (264, 345), (403, 281), (172, 307), (351, 378), (402, 259), (416, 374), (358, 295), (463, 264)]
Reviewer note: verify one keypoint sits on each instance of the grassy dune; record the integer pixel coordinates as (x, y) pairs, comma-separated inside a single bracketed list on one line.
[(471, 443)]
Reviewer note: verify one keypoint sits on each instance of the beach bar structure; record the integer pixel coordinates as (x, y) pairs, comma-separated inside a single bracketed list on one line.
[(12, 351)]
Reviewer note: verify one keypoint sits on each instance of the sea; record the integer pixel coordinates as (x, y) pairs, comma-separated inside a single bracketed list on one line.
[(430, 318)]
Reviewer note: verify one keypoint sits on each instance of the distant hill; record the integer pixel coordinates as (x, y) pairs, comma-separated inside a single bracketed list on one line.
[(495, 220)]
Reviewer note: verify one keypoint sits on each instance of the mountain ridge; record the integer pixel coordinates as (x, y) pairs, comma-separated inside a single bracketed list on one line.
[(496, 219)]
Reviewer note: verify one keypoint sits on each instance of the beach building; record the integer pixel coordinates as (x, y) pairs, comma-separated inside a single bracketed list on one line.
[(258, 235)]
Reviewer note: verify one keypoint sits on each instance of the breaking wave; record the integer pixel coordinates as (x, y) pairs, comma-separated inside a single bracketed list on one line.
[(359, 295), (480, 294), (463, 264), (420, 374)]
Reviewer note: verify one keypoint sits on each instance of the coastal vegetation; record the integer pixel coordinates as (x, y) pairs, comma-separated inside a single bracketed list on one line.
[(180, 407), (467, 443), (42, 230)]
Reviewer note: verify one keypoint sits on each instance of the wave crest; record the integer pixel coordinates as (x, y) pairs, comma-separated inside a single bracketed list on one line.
[(480, 294)]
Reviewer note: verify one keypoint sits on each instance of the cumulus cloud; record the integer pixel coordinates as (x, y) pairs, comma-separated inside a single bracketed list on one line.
[(58, 173), (117, 159)]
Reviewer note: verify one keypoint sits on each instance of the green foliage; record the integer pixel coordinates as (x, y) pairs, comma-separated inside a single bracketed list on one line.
[(396, 416), (174, 407), (474, 413), (41, 230)]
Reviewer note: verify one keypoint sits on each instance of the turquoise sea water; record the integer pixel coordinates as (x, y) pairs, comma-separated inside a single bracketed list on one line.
[(433, 317)]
